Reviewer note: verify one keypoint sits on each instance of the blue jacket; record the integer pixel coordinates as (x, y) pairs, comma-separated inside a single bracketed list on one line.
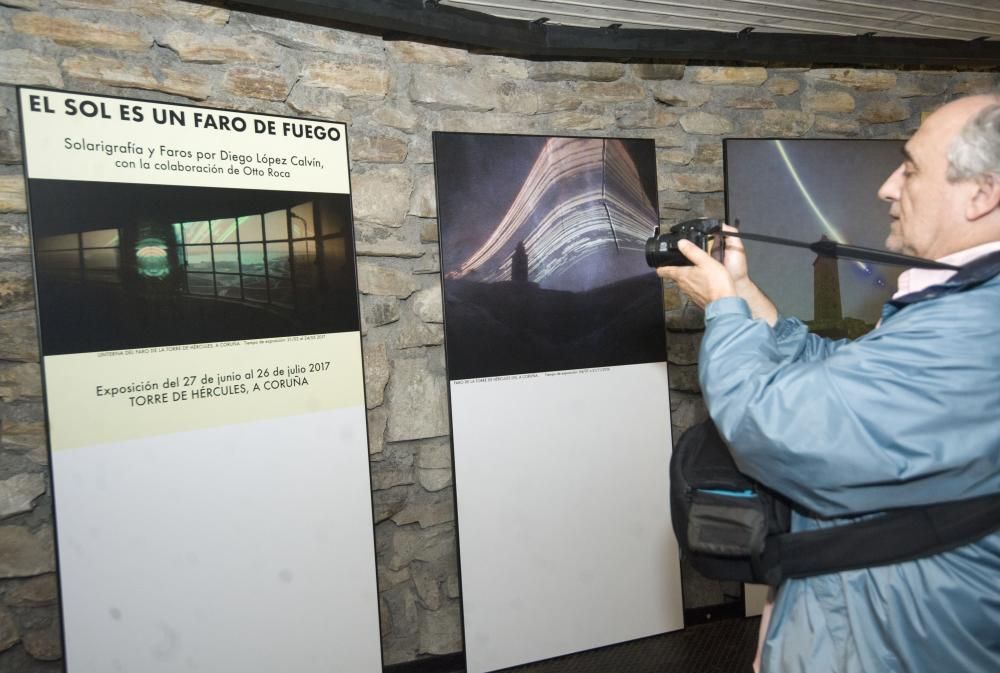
[(908, 414)]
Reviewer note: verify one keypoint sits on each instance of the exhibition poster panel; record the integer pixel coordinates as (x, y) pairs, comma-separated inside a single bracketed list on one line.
[(806, 189), (560, 407), (201, 351)]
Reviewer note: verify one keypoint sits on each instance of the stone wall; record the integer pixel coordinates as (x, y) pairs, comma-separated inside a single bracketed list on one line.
[(392, 94)]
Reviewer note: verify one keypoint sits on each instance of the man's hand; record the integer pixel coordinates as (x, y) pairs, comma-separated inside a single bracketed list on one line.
[(707, 280), (735, 259)]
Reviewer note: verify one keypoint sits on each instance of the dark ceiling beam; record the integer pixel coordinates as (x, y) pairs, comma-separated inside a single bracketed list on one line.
[(539, 39)]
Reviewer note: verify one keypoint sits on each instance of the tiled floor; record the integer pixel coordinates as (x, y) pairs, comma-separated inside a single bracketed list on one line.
[(726, 646), (723, 646)]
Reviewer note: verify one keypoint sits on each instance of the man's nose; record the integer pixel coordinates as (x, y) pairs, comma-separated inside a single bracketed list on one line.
[(889, 191)]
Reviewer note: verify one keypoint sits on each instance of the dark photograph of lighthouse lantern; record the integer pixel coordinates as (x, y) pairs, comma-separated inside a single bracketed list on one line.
[(806, 190), (542, 253)]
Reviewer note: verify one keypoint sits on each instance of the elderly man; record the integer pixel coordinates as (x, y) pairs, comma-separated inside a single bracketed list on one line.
[(906, 415)]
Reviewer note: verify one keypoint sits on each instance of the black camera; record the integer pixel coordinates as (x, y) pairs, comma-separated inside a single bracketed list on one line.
[(661, 249)]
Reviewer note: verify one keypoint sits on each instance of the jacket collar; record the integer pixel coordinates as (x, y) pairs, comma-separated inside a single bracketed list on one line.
[(975, 273)]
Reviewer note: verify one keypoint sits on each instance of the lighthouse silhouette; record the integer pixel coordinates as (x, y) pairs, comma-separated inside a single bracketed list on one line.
[(827, 308)]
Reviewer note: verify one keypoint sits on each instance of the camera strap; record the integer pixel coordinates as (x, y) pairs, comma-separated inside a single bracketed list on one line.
[(828, 248)]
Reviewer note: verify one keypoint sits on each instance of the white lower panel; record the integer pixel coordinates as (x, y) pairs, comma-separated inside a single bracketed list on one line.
[(240, 549), (562, 486), (754, 599)]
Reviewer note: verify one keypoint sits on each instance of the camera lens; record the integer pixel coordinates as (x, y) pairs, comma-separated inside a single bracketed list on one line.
[(662, 251)]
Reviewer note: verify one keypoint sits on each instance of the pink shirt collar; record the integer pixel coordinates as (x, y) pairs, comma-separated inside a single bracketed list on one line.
[(915, 280)]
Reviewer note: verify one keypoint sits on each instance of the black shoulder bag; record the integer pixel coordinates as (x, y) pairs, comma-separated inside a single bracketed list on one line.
[(731, 528)]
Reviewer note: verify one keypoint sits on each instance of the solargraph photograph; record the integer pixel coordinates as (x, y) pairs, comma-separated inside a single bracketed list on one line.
[(807, 190), (542, 252), (122, 266)]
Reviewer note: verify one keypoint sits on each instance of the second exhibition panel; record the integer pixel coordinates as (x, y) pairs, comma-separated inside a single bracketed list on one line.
[(559, 396), (807, 190)]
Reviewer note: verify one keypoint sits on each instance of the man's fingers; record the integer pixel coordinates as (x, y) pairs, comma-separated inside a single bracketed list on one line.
[(693, 252), (669, 272), (677, 274), (695, 255), (732, 241)]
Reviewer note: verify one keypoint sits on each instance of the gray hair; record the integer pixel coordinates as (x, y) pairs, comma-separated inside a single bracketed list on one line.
[(976, 150)]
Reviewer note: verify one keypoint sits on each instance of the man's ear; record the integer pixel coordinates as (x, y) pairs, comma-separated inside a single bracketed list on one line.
[(986, 198)]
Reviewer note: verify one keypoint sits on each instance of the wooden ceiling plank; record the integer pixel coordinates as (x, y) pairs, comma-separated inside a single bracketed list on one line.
[(522, 38), (663, 13)]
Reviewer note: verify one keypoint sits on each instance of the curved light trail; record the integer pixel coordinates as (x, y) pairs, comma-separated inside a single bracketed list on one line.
[(831, 230), (581, 197), (828, 226)]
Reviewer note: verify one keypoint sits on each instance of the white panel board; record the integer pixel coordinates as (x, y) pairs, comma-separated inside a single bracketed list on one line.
[(213, 551), (754, 598), (562, 486)]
